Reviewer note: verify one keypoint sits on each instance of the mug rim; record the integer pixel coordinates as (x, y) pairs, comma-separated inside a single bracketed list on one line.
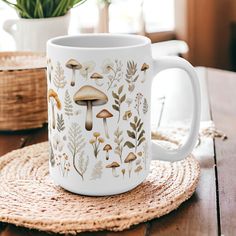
[(143, 41)]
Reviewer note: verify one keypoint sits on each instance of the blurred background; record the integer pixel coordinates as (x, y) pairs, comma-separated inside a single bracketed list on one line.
[(208, 27)]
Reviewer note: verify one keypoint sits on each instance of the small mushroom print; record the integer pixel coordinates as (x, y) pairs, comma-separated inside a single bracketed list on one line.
[(129, 159), (96, 76), (144, 68), (123, 172), (107, 148), (73, 65), (89, 96), (105, 114), (87, 68), (113, 166), (138, 169), (54, 100)]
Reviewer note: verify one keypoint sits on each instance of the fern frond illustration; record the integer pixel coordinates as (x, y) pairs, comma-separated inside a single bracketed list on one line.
[(60, 123), (76, 147), (145, 106), (68, 104), (136, 134), (131, 76), (59, 78), (97, 171), (118, 140), (119, 99)]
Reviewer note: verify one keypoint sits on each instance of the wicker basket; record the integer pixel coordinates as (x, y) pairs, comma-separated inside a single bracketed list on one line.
[(23, 89)]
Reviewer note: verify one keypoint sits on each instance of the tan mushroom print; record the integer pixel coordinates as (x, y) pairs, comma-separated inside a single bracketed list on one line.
[(98, 119), (144, 68), (73, 65), (54, 100), (89, 96)]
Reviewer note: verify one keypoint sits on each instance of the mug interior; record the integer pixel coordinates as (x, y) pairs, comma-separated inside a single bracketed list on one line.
[(101, 41)]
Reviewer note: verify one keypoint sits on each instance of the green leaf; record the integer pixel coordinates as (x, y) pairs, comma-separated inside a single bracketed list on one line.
[(140, 126), (131, 134), (135, 119), (117, 102), (120, 89), (129, 144), (141, 134), (115, 95), (135, 79), (122, 99), (139, 121), (116, 108), (133, 126), (141, 140)]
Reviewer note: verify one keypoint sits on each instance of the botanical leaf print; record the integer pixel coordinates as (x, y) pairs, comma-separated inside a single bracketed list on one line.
[(119, 99), (97, 171), (60, 123), (113, 71), (136, 134), (76, 146), (145, 106), (59, 78), (131, 76), (138, 101), (68, 104), (119, 143)]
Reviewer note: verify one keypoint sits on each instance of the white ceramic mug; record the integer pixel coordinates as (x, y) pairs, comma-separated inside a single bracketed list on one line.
[(99, 92), (32, 34)]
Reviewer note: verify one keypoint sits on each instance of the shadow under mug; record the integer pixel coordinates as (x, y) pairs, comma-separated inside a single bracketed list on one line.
[(99, 96)]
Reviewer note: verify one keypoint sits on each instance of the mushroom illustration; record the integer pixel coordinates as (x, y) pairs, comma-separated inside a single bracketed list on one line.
[(54, 100), (89, 96), (87, 68), (138, 169), (74, 65), (113, 165), (104, 114), (96, 77), (129, 159), (144, 67), (107, 148)]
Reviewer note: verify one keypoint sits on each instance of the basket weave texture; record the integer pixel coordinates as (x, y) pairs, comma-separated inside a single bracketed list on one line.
[(23, 89), (29, 198)]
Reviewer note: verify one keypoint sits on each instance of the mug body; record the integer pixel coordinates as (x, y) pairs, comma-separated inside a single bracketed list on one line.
[(99, 91), (32, 34)]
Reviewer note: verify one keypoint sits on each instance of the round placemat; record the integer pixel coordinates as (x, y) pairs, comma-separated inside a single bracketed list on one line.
[(29, 198)]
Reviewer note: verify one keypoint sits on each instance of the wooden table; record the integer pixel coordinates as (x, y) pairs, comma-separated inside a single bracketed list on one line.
[(212, 209)]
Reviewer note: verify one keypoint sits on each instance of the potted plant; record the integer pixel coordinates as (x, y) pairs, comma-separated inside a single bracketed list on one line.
[(38, 21)]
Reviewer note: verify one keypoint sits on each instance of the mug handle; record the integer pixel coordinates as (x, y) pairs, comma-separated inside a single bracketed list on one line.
[(179, 154), (8, 26)]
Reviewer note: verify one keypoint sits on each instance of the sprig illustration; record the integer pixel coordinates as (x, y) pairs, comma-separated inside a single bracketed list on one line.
[(97, 171), (119, 143), (68, 104), (145, 106), (59, 78), (119, 99), (138, 102), (76, 146), (95, 142), (114, 71), (63, 164), (60, 123), (131, 76), (137, 134)]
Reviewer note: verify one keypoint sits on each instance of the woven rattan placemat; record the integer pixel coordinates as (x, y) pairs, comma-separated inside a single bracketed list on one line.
[(29, 198)]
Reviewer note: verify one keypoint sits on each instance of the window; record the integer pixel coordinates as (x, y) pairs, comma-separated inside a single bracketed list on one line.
[(125, 16)]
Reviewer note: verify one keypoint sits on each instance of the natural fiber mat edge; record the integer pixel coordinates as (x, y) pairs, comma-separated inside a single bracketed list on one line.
[(167, 186)]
